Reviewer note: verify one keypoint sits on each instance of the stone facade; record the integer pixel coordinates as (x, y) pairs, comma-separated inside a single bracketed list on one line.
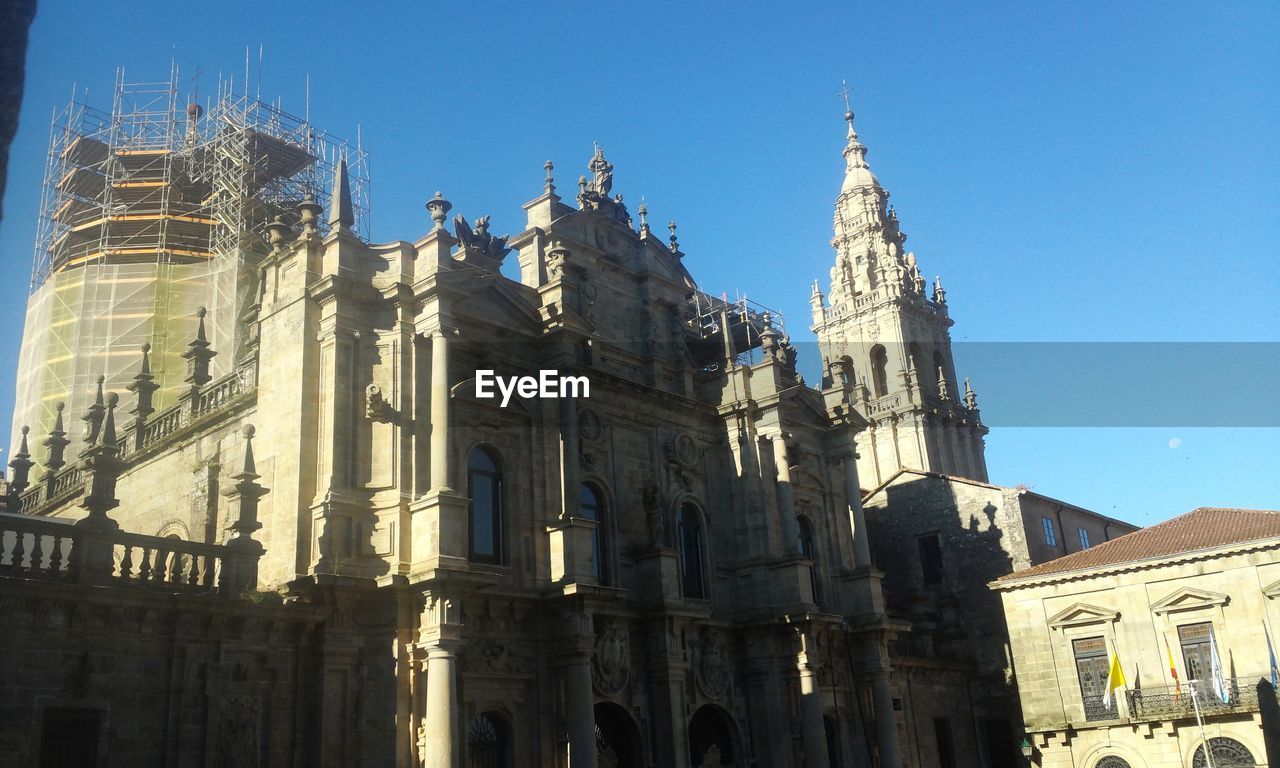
[(1147, 609), (668, 565)]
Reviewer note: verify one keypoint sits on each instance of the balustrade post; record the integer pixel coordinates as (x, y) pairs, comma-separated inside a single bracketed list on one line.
[(21, 466), (240, 569), (101, 464), (198, 356), (143, 387)]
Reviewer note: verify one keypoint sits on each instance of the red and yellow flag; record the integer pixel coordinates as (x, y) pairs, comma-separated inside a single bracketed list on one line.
[(1173, 670)]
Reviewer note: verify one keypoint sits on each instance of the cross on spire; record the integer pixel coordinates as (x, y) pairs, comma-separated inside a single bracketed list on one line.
[(844, 92)]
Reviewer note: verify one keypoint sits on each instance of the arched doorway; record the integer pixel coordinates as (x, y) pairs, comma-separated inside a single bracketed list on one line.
[(617, 739), (488, 742), (711, 742), (1227, 753)]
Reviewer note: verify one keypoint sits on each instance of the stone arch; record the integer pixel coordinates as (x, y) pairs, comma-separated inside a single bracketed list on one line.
[(618, 743), (713, 739), (174, 529), (1113, 755)]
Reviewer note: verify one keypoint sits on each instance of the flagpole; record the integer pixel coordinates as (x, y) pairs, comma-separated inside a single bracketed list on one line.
[(1195, 702)]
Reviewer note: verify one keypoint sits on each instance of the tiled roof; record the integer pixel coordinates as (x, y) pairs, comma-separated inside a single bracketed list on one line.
[(1203, 528)]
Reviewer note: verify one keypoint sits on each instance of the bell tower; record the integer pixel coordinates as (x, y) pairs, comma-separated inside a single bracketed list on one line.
[(884, 333)]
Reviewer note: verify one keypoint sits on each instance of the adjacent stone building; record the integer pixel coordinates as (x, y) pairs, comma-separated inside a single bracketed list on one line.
[(1197, 592), (652, 553)]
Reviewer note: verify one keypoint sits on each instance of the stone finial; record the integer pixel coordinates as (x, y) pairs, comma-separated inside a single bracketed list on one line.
[(101, 465), (246, 491), (143, 386), (643, 210), (582, 191), (939, 293), (308, 214), (970, 397), (439, 208), (341, 213), (943, 391), (198, 355), (278, 234), (56, 442), (93, 416), (550, 187), (675, 244), (21, 465)]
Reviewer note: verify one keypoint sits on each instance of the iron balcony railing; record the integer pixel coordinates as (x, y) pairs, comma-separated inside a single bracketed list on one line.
[(1095, 709), (1172, 701)]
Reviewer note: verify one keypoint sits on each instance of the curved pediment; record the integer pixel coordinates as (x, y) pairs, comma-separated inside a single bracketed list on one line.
[(1188, 598), (1082, 613)]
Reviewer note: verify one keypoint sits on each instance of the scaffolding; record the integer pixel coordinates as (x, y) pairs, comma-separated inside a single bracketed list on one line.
[(738, 321), (149, 211)]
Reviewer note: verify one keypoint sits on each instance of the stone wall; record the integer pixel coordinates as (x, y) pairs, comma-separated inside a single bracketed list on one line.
[(155, 679)]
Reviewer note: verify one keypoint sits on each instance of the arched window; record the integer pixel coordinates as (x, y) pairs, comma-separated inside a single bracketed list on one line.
[(484, 487), (1112, 761), (879, 370), (690, 541), (809, 549), (591, 506), (488, 743), (1227, 753)]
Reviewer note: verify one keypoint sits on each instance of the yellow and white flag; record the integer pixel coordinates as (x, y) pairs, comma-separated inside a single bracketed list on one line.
[(1115, 679)]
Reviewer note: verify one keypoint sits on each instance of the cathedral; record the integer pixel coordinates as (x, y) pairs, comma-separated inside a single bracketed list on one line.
[(404, 510)]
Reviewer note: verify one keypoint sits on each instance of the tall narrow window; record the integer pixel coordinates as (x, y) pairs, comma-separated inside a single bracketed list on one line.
[(1092, 667), (484, 486), (880, 370), (1084, 539), (591, 507), (810, 551), (689, 535), (1050, 537), (930, 559), (1197, 653)]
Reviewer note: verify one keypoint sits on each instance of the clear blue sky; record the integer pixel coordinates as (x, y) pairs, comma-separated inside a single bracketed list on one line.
[(1083, 172)]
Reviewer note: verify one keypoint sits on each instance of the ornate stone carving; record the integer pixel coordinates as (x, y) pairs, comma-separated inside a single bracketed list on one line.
[(611, 661), (239, 739), (376, 406), (479, 241), (589, 426), (489, 657), (654, 513), (683, 450), (712, 671)]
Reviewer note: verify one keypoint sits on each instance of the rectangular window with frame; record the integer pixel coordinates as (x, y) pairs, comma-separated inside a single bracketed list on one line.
[(1092, 666), (1197, 654), (1084, 539), (1050, 537)]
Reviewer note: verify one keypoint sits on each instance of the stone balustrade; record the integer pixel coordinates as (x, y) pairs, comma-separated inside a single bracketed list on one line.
[(48, 549)]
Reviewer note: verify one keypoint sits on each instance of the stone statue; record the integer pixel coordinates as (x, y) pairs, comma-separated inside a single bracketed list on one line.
[(602, 170), (480, 241)]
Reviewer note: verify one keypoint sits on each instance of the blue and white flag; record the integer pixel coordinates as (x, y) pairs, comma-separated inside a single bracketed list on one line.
[(1215, 671)]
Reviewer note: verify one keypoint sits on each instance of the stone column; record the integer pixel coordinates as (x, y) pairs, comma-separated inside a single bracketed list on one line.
[(442, 749), (790, 527), (582, 715), (812, 729), (886, 722), (439, 412), (861, 545)]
